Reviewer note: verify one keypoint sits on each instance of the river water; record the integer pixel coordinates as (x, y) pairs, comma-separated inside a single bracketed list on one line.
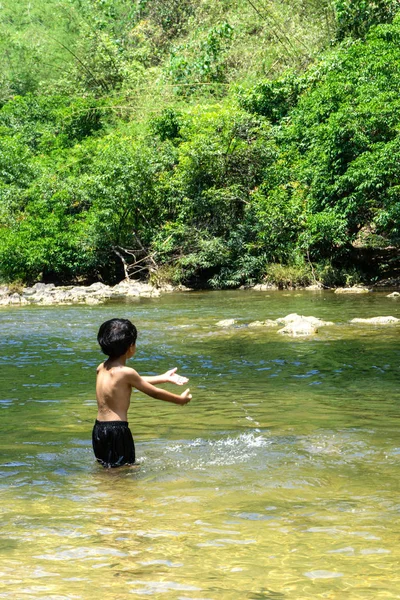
[(279, 480)]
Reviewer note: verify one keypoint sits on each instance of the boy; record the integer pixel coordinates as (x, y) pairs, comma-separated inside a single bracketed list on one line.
[(112, 440)]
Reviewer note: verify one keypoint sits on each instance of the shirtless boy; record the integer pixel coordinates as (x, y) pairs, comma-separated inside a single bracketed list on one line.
[(112, 440)]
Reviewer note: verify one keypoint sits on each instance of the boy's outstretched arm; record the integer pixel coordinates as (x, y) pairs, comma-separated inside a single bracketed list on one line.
[(170, 376), (141, 384)]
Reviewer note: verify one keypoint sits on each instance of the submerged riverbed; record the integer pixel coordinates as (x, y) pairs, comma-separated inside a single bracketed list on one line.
[(279, 480)]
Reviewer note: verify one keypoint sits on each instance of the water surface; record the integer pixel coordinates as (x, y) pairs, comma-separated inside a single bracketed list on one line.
[(279, 480)]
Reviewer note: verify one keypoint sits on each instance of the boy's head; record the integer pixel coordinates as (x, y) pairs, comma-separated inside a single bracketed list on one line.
[(116, 336)]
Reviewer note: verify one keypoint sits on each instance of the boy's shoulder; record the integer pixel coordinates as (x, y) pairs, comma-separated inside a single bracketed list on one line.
[(122, 369), (130, 374), (128, 370)]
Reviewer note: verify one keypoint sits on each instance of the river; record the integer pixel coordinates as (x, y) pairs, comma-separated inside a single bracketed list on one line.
[(279, 480)]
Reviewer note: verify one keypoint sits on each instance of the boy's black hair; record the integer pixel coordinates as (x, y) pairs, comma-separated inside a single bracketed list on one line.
[(116, 336)]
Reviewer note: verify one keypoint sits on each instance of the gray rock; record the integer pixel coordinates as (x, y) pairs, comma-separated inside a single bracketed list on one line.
[(377, 320), (266, 323), (295, 318), (48, 294), (98, 286), (264, 287), (352, 290), (43, 287), (17, 299), (226, 322), (130, 288), (78, 291), (62, 296), (136, 288), (299, 328), (46, 300), (166, 287), (314, 287), (92, 300)]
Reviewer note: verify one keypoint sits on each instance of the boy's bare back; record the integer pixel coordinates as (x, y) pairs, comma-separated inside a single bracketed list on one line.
[(113, 392)]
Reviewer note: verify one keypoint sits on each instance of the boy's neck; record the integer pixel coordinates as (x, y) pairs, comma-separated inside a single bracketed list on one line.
[(119, 361)]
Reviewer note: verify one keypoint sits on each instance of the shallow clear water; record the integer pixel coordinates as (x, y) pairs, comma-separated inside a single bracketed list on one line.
[(279, 480)]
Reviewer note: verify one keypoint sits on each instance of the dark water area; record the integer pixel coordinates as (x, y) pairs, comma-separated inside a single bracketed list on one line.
[(279, 480)]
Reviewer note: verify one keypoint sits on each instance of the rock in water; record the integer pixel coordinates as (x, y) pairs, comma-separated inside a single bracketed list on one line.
[(298, 325), (299, 328), (377, 320), (294, 318), (352, 290), (226, 322), (267, 323)]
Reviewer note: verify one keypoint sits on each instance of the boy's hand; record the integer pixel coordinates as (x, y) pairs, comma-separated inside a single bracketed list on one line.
[(186, 396), (172, 376)]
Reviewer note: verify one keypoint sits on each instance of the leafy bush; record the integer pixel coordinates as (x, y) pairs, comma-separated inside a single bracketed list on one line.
[(287, 172), (167, 125), (356, 17), (272, 99), (201, 61), (289, 276)]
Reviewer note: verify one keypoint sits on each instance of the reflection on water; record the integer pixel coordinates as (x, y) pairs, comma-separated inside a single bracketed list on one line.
[(279, 480)]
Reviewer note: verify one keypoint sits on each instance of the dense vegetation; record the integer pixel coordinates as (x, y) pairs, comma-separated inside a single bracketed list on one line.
[(214, 144)]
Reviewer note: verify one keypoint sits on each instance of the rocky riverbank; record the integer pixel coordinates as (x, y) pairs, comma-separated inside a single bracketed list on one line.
[(97, 293)]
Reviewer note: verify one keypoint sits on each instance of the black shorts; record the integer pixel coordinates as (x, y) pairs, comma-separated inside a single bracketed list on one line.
[(113, 444)]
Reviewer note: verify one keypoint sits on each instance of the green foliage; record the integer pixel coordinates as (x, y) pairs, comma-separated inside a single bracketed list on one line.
[(113, 45), (171, 16), (276, 176), (277, 216), (167, 125), (32, 35), (333, 275), (15, 169), (201, 61), (44, 123), (272, 99), (339, 145), (289, 277), (356, 17), (98, 65), (323, 232)]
